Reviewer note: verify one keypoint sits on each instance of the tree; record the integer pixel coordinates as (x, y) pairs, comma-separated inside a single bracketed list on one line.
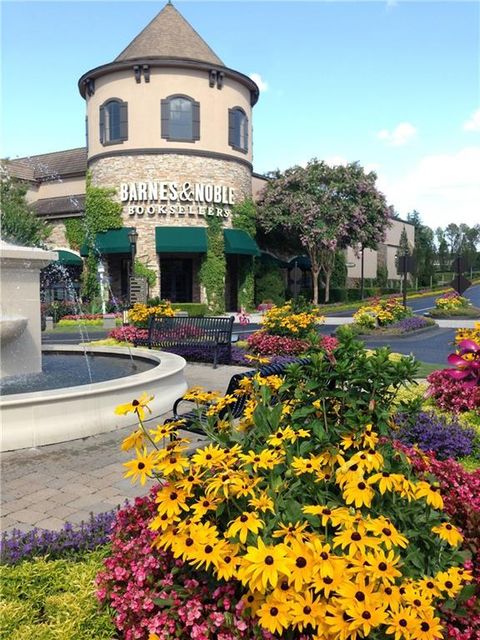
[(442, 250), (326, 208), (18, 221), (424, 251)]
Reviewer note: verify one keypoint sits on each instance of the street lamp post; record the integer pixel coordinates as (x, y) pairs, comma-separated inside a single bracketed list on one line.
[(132, 238), (101, 277)]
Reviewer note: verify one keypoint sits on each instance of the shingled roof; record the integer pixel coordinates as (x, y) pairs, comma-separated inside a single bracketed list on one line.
[(49, 166), (62, 206), (169, 35)]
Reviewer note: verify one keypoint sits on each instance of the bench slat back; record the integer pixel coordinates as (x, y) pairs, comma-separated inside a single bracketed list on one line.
[(190, 330)]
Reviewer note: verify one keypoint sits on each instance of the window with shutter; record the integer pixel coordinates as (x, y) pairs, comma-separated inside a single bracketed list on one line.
[(113, 121), (180, 119), (238, 129)]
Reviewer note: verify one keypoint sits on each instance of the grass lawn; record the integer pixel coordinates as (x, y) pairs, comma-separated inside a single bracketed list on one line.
[(426, 368)]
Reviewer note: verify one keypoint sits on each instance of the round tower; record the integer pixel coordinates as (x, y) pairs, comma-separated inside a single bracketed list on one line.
[(169, 127)]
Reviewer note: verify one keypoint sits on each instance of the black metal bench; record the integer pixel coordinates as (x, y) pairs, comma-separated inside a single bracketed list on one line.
[(211, 332), (234, 410)]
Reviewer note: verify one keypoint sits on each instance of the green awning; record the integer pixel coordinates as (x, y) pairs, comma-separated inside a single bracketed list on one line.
[(69, 258), (239, 242), (181, 239), (111, 241), (269, 260)]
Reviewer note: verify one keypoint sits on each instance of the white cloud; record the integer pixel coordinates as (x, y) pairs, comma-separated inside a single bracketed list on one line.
[(257, 78), (473, 123), (442, 188), (403, 133)]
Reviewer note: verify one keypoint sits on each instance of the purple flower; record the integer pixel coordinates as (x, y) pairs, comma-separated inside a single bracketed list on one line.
[(411, 324)]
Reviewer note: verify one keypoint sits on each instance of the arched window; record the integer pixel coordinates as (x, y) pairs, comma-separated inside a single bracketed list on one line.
[(113, 121), (180, 118), (238, 129)]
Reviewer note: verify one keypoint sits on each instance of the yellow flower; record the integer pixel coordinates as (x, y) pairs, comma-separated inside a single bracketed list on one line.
[(171, 500), (257, 359), (358, 493), (173, 464), (141, 467), (382, 566), (302, 563), (305, 465), (429, 628), (448, 532), (354, 541), (449, 582), (430, 493), (263, 503), (263, 565), (134, 440), (167, 430), (273, 615), (243, 525), (306, 610), (281, 436), (291, 532), (402, 623), (366, 616), (265, 459), (209, 456), (389, 536), (136, 406)]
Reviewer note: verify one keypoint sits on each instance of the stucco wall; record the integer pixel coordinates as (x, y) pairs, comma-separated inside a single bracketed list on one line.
[(61, 187), (144, 121)]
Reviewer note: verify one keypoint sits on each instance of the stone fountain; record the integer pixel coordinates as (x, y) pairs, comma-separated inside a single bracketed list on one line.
[(20, 322), (57, 413)]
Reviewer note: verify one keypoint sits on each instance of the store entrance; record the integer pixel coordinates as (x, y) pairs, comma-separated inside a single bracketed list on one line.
[(231, 283), (176, 279)]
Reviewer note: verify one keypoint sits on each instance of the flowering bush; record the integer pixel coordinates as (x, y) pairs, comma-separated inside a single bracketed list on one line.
[(128, 334), (467, 363), (284, 321), (64, 322), (452, 395), (446, 438), (461, 491), (451, 301), (468, 334), (412, 324), (17, 546), (320, 522), (381, 313), (155, 596), (265, 344), (140, 314)]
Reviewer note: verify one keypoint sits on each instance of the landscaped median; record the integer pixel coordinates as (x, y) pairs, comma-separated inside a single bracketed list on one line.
[(453, 305), (388, 317)]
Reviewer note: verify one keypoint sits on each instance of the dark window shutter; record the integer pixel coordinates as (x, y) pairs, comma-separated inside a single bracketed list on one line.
[(165, 119), (232, 120), (124, 121), (102, 125), (195, 121), (246, 134), (86, 132)]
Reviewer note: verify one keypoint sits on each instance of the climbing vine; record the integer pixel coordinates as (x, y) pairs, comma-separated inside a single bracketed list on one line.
[(214, 266), (143, 271), (244, 217), (101, 213), (75, 232)]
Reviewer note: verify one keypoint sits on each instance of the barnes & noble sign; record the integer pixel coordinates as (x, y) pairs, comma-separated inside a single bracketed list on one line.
[(176, 198)]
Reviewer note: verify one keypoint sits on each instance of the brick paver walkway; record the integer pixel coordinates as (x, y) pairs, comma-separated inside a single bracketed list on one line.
[(50, 485)]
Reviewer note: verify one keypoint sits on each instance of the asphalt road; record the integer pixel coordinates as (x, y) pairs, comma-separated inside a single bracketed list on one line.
[(433, 346), (422, 305)]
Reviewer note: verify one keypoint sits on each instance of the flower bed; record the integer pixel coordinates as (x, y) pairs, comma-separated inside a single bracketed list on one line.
[(323, 527), (381, 313), (453, 305)]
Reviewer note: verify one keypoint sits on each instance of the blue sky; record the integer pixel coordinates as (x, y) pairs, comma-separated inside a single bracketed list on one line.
[(393, 85)]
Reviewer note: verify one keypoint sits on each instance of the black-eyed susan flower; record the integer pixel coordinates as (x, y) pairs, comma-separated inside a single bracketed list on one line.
[(328, 584), (134, 441), (429, 627), (389, 536), (355, 541), (402, 623), (262, 502), (306, 610), (163, 431), (366, 616), (209, 457), (203, 505), (449, 582), (358, 493), (273, 615), (136, 406), (338, 622), (243, 525), (449, 533), (191, 479), (281, 436), (383, 566), (386, 481), (142, 467), (302, 564), (173, 464), (430, 493), (305, 465), (263, 565), (171, 500), (265, 459), (226, 564), (291, 532)]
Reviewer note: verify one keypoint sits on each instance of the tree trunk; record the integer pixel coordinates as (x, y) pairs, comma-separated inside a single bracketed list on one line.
[(315, 273), (327, 285)]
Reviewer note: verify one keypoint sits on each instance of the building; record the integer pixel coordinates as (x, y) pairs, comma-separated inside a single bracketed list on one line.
[(169, 129)]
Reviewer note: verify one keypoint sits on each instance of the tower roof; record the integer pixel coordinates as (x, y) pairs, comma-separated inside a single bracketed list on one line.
[(169, 35)]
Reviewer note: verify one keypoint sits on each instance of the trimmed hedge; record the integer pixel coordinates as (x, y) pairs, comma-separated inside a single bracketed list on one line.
[(192, 308)]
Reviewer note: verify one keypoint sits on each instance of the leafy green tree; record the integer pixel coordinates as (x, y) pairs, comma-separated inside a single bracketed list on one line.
[(442, 249), (327, 209), (18, 221), (424, 252)]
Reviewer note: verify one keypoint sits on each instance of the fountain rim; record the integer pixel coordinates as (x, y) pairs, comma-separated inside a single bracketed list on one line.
[(176, 364)]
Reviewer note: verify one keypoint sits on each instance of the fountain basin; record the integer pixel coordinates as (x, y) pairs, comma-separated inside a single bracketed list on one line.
[(58, 415), (11, 328)]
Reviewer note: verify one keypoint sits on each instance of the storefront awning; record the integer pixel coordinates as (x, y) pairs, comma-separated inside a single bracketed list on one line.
[(267, 259), (181, 239), (69, 258), (111, 241), (239, 242)]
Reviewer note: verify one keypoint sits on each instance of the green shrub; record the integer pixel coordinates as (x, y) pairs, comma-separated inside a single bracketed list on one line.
[(53, 600), (461, 312), (193, 308), (80, 323), (269, 285)]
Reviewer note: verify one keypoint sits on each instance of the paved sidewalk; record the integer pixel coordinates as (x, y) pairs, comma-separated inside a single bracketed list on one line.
[(50, 485)]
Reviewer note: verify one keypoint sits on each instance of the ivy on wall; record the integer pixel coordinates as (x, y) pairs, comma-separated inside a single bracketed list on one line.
[(214, 266), (244, 217), (75, 232), (143, 271), (101, 214)]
